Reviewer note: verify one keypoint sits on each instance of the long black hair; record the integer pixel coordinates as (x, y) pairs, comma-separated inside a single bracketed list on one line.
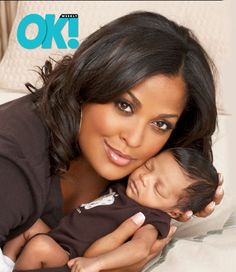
[(114, 59)]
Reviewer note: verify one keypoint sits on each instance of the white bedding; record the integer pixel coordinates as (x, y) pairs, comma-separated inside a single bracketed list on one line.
[(214, 252), (8, 95)]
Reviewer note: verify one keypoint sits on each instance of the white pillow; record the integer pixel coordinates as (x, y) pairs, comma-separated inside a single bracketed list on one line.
[(17, 64), (8, 95)]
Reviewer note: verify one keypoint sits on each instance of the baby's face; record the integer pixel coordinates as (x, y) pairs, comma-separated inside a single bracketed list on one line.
[(158, 183)]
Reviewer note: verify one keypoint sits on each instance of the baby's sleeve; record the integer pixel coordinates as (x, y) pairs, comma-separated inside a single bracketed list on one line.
[(160, 220)]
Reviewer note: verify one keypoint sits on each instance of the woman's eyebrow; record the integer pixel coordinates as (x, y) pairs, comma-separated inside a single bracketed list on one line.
[(168, 115), (134, 98), (139, 104)]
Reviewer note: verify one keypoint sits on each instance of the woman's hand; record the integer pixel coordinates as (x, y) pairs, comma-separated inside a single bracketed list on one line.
[(210, 207), (156, 249), (127, 229)]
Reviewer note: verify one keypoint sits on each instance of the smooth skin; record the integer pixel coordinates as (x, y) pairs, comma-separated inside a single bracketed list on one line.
[(158, 184), (137, 124), (152, 185), (115, 139), (129, 253), (100, 256)]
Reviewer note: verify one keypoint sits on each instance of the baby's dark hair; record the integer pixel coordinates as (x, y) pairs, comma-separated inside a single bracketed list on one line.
[(203, 174)]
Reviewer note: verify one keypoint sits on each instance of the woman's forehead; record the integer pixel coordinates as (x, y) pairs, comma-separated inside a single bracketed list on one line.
[(163, 94)]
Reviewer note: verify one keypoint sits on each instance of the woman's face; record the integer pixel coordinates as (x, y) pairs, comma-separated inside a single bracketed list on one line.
[(117, 137)]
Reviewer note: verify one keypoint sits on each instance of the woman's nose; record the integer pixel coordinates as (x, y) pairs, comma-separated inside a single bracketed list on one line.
[(133, 135)]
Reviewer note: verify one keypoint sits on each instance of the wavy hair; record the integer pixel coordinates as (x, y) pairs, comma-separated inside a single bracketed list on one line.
[(114, 59)]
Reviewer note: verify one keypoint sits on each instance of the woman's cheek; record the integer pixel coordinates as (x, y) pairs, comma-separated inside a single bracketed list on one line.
[(104, 120), (153, 143)]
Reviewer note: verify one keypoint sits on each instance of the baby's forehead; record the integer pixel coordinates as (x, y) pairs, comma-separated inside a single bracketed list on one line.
[(163, 155), (168, 159)]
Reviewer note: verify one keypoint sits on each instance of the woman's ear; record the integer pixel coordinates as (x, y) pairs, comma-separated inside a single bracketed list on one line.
[(175, 213)]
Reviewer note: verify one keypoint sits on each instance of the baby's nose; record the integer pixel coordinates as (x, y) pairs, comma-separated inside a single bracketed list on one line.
[(146, 178)]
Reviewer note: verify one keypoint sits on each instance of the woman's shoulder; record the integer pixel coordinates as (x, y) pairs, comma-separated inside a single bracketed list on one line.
[(19, 111), (24, 166), (21, 124)]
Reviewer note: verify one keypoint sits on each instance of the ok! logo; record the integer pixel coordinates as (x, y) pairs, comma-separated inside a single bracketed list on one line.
[(49, 29)]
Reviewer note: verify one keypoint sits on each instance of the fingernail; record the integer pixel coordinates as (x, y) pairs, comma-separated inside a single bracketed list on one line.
[(220, 189), (138, 218), (212, 205), (189, 214), (173, 230), (220, 177)]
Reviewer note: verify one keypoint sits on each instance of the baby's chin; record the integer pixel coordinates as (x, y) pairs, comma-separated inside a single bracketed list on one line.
[(129, 191)]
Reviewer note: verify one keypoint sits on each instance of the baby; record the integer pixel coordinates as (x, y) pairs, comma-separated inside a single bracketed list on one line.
[(176, 180)]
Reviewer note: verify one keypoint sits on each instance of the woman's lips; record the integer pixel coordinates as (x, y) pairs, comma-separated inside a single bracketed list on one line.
[(116, 156)]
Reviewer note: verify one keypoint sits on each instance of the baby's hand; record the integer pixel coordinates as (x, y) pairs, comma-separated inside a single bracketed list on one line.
[(82, 264)]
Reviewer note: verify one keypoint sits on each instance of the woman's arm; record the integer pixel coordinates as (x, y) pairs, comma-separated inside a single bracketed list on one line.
[(16, 203), (129, 228), (21, 194), (24, 167), (127, 254), (116, 238)]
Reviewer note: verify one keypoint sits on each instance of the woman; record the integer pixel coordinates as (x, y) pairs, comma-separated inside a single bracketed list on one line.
[(138, 85)]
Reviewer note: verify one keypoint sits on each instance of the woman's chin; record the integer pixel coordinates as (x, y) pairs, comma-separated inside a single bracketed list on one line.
[(111, 174)]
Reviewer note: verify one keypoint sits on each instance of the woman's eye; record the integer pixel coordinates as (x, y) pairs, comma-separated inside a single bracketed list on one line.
[(162, 125), (124, 106)]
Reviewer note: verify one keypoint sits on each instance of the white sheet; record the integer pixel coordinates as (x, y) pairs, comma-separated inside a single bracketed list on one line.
[(212, 253)]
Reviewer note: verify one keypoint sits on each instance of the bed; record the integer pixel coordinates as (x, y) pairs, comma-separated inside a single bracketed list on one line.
[(207, 244)]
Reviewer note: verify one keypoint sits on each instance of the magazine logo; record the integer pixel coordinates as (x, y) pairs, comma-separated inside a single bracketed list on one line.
[(49, 29)]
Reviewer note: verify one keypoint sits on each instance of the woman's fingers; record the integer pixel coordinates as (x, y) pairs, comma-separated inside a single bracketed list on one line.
[(217, 199), (157, 246), (219, 194), (155, 251), (185, 216), (209, 209), (116, 238), (160, 244), (220, 191), (127, 229), (221, 178)]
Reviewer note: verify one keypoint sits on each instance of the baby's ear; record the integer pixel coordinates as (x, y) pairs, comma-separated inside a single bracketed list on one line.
[(175, 213)]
